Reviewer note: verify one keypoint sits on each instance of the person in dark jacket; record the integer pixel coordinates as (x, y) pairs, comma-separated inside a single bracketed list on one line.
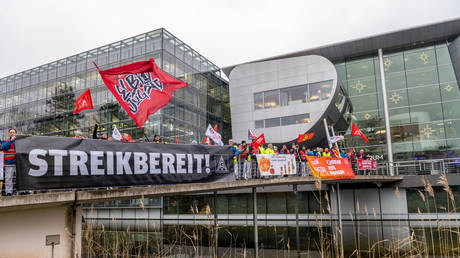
[(9, 148)]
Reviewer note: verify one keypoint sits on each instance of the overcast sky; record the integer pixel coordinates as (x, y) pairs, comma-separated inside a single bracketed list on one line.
[(226, 32)]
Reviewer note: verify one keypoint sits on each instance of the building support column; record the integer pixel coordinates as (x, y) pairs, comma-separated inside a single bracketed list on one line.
[(386, 113), (254, 222), (216, 231), (326, 128), (339, 215), (296, 208)]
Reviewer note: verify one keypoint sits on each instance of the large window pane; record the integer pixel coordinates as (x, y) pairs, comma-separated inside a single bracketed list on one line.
[(276, 203), (422, 77), (452, 109), (294, 95), (297, 119), (259, 124), (361, 86), (420, 58), (442, 54), (446, 73), (399, 116), (393, 63), (450, 91), (271, 98), (423, 95), (452, 129), (320, 90), (395, 81), (425, 113), (397, 98), (259, 100), (272, 122), (361, 68), (326, 88), (364, 102)]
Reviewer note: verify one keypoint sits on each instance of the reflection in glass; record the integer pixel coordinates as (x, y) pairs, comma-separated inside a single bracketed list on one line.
[(271, 99), (273, 122), (294, 95), (297, 119), (259, 100)]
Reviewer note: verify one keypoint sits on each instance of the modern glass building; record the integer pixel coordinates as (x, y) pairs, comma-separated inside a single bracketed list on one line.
[(419, 69), (41, 100)]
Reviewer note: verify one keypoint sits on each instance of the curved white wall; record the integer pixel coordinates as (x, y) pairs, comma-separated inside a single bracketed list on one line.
[(247, 79)]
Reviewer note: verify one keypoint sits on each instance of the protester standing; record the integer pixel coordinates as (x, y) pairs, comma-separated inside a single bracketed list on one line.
[(235, 157), (9, 148)]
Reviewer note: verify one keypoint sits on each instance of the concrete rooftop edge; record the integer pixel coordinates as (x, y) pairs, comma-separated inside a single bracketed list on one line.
[(88, 196)]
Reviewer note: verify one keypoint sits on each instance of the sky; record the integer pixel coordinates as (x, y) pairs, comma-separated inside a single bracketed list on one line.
[(230, 32)]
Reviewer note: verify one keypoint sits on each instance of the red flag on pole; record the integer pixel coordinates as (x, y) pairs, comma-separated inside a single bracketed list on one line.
[(142, 88), (356, 132), (259, 141), (304, 137), (83, 102), (206, 139)]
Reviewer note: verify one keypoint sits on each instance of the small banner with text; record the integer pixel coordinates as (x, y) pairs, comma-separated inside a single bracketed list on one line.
[(54, 162), (367, 164), (276, 165), (330, 168)]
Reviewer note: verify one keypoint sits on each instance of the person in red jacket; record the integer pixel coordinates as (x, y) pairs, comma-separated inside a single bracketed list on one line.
[(303, 161), (352, 157)]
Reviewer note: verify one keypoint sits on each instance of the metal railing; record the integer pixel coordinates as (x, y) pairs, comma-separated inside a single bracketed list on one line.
[(410, 167)]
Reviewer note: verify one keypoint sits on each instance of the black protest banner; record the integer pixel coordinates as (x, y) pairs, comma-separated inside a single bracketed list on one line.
[(54, 162)]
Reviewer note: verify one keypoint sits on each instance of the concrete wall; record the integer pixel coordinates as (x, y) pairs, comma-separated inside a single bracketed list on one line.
[(23, 231)]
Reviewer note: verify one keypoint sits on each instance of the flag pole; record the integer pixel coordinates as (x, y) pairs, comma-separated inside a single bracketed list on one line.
[(145, 135)]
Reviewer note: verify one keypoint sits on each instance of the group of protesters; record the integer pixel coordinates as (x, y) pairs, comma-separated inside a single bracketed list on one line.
[(245, 153)]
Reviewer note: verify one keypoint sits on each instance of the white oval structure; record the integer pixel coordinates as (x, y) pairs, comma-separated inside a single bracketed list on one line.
[(283, 98)]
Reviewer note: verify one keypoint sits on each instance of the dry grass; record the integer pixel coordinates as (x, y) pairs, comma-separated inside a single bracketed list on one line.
[(433, 237)]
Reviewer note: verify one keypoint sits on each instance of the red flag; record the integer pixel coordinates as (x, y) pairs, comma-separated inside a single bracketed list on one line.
[(304, 137), (206, 139), (176, 139), (83, 102), (259, 141), (142, 88), (356, 132)]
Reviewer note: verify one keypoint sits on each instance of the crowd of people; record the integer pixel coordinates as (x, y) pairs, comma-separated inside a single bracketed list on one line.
[(245, 153)]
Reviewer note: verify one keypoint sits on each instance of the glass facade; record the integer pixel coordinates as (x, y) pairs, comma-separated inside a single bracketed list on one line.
[(293, 95), (40, 101), (423, 102)]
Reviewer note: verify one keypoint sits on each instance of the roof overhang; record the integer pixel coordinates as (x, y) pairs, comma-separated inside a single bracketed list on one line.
[(368, 45)]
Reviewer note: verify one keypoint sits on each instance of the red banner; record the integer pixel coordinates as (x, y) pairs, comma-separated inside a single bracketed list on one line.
[(330, 168), (141, 88), (367, 164)]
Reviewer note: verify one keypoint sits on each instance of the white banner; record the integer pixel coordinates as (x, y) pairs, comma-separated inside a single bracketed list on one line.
[(215, 136), (116, 135), (276, 165), (1, 166), (335, 139)]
